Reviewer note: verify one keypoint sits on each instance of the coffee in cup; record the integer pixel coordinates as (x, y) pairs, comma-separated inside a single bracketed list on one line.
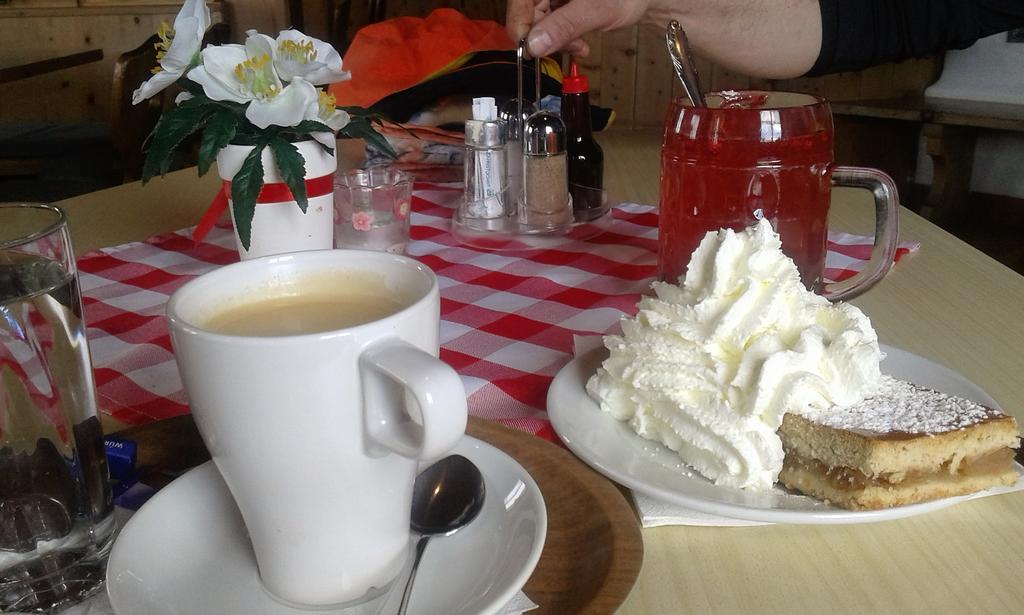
[(308, 304)]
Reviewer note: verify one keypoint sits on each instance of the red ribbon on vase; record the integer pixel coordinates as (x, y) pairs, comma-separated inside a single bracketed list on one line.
[(270, 193)]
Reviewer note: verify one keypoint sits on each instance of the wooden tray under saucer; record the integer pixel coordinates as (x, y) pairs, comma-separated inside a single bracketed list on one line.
[(593, 550)]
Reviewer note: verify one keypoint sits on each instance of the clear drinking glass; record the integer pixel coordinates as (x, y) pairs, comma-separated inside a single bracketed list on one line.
[(56, 522), (371, 209)]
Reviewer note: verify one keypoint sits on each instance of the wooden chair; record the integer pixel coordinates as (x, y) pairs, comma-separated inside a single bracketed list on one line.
[(345, 17), (131, 124)]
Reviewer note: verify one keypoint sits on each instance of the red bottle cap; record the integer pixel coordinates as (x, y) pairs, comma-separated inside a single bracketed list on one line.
[(574, 82)]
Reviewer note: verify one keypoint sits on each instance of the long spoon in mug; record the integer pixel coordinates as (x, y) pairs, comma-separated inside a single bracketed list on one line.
[(682, 62)]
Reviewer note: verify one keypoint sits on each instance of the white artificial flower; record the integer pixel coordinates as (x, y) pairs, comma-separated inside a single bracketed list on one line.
[(324, 110), (177, 48), (287, 108), (298, 55), (249, 75), (239, 73)]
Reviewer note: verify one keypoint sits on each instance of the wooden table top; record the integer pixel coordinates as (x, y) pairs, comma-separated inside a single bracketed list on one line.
[(948, 302)]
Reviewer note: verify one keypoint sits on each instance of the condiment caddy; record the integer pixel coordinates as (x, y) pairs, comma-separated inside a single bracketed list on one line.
[(526, 168)]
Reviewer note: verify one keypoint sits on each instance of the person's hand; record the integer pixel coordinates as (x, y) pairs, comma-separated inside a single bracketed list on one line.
[(547, 28)]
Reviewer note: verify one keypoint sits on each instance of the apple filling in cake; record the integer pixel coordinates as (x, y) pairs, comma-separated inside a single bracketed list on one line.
[(903, 445)]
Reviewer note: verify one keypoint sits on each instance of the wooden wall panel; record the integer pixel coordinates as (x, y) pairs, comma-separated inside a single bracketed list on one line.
[(839, 85), (913, 76), (40, 3), (619, 74), (876, 82), (653, 79), (73, 94), (476, 9), (266, 16), (76, 94), (722, 79)]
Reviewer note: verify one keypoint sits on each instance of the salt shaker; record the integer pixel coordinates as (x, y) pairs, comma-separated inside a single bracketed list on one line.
[(545, 205), (513, 156), (486, 195)]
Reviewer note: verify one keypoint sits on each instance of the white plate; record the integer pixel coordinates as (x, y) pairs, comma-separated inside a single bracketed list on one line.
[(614, 449), (186, 551)]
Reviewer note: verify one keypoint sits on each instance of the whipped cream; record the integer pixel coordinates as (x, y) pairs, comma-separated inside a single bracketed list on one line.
[(709, 368)]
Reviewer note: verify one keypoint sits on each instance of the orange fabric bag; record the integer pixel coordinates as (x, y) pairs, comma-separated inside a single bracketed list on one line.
[(393, 55)]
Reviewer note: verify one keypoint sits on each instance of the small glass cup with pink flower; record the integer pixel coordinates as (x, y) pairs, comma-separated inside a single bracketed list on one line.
[(371, 209)]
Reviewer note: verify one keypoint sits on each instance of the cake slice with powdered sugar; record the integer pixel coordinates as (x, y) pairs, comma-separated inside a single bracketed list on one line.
[(903, 445)]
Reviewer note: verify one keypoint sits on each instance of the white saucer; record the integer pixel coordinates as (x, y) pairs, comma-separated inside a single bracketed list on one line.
[(614, 449), (186, 551)]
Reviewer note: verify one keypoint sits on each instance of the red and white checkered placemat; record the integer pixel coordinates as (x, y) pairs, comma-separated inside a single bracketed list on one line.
[(507, 319)]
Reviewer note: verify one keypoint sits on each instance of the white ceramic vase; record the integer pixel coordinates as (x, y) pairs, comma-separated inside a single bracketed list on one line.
[(279, 227)]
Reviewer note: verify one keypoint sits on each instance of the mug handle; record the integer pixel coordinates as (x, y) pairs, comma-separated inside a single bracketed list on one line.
[(396, 375), (887, 230)]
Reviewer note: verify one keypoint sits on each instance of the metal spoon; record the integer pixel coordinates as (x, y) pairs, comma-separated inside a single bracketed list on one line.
[(446, 497), (682, 62)]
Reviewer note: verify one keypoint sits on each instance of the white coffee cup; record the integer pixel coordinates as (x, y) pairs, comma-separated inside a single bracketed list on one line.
[(319, 435)]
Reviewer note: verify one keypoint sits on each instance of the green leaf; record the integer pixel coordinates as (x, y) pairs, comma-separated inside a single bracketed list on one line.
[(171, 129), (197, 101), (307, 126), (246, 136), (245, 188), (218, 132), (326, 148), (364, 113), (361, 128), (191, 87), (408, 131), (292, 168), (356, 111)]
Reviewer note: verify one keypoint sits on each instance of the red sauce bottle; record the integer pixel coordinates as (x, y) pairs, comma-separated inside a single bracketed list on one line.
[(586, 160)]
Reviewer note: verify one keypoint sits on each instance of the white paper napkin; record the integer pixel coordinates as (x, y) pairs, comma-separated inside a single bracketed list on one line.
[(520, 603), (582, 344), (655, 513)]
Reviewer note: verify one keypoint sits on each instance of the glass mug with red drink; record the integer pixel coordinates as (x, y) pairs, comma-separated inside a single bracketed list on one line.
[(751, 155)]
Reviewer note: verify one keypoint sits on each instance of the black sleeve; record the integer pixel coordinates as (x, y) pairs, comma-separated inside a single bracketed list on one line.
[(856, 34)]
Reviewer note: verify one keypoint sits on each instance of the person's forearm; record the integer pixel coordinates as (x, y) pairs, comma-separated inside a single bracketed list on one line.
[(762, 38)]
